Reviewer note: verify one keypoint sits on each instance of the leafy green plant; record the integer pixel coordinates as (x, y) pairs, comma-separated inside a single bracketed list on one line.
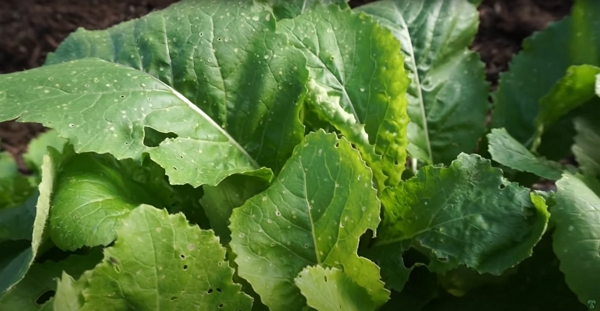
[(252, 156)]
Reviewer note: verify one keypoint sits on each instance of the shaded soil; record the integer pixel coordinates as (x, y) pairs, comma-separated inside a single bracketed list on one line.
[(31, 28)]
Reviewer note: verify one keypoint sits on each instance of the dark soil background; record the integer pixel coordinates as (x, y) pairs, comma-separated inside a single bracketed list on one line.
[(29, 29)]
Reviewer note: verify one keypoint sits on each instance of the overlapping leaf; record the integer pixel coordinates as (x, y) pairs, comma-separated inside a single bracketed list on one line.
[(447, 96), (464, 214), (586, 149), (108, 108), (159, 262), (509, 152), (292, 8), (226, 59), (14, 187), (576, 239), (40, 280), (533, 73), (17, 256), (357, 61), (331, 289), (313, 214)]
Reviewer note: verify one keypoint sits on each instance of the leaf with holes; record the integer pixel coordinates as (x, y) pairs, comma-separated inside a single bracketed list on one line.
[(201, 153), (313, 213), (465, 214), (447, 96), (225, 59), (158, 262)]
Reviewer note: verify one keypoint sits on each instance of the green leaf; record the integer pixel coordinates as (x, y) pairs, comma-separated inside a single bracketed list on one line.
[(576, 88), (331, 289), (159, 262), (577, 233), (19, 255), (226, 59), (219, 201), (14, 187), (509, 152), (17, 223), (447, 96), (313, 213), (389, 258), (543, 61), (40, 281), (464, 214), (291, 8), (64, 97), (38, 147), (586, 145), (92, 195), (356, 60)]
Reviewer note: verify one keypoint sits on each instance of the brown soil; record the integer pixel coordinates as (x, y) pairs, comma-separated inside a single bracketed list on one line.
[(31, 28)]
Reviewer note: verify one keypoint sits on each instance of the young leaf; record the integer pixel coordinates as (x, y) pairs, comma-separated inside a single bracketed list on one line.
[(40, 281), (219, 201), (509, 152), (158, 262), (447, 96), (544, 60), (586, 145), (226, 59), (292, 8), (577, 218), (18, 257), (356, 60), (67, 95), (464, 214), (38, 147), (576, 88), (331, 289), (313, 213), (99, 194)]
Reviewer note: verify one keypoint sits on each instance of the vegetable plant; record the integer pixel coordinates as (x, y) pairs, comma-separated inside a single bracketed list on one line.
[(298, 155)]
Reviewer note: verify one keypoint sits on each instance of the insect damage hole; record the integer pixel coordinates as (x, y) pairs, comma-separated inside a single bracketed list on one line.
[(153, 138), (44, 297)]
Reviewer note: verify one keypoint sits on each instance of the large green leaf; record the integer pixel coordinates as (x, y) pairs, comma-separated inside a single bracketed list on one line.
[(544, 60), (40, 283), (576, 239), (511, 153), (447, 96), (159, 262), (226, 59), (313, 213), (108, 108), (576, 88), (464, 214), (17, 256), (354, 59), (331, 289), (586, 145)]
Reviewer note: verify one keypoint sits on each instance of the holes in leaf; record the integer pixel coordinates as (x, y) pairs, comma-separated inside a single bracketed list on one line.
[(218, 290), (182, 256), (337, 145), (220, 305), (502, 186), (44, 297), (396, 162), (173, 298), (185, 267), (325, 278), (153, 138)]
